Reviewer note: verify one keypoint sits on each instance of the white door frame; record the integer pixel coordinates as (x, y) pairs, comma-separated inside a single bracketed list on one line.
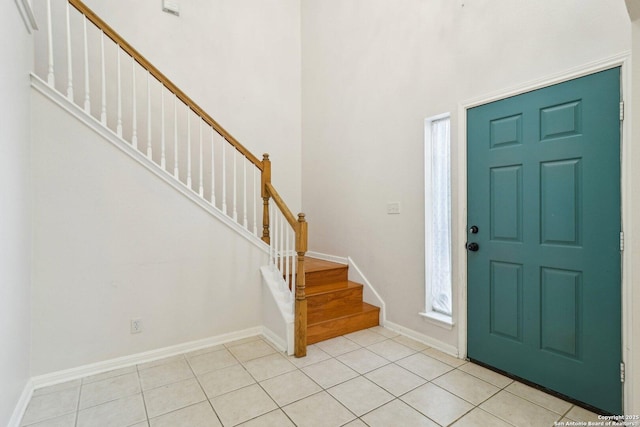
[(459, 219)]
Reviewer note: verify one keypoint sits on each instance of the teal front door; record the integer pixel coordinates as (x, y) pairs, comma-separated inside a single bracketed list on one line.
[(544, 273)]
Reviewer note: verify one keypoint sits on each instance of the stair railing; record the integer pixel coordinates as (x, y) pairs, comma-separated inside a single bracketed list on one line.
[(287, 249), (83, 56)]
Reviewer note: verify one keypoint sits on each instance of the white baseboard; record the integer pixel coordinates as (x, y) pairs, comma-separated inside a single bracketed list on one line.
[(370, 293), (275, 340), (148, 356), (22, 404), (427, 340), (327, 257)]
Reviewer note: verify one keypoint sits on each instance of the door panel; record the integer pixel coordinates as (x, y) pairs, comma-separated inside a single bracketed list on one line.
[(561, 309), (506, 203), (560, 202), (506, 300), (544, 191)]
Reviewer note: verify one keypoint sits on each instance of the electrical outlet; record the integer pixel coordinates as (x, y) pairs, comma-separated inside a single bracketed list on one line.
[(393, 208), (136, 326)]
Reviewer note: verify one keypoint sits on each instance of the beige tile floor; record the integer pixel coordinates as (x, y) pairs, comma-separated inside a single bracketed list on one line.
[(369, 378)]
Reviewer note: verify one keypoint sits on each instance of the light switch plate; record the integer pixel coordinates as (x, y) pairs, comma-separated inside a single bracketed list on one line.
[(393, 208), (171, 7)]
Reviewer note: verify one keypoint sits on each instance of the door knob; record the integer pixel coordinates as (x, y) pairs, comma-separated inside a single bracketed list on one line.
[(473, 247), (473, 229)]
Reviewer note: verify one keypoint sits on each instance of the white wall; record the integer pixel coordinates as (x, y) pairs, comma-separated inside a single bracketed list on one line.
[(238, 59), (15, 209), (373, 71), (114, 242)]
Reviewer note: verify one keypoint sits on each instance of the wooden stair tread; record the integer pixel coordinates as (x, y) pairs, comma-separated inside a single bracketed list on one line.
[(362, 308), (366, 317), (315, 264), (330, 287), (320, 273)]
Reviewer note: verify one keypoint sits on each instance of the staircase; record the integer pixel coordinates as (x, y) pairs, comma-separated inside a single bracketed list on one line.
[(334, 303), (125, 98)]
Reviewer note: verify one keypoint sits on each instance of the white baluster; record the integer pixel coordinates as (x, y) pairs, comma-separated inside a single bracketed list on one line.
[(271, 241), (176, 173), (276, 247), (163, 159), (213, 173), (119, 122), (87, 99), (235, 185), (274, 225), (282, 225), (224, 177), (134, 107), (293, 273), (286, 265), (280, 244), (274, 236), (255, 204), (189, 182), (103, 110), (292, 256), (50, 74), (201, 189), (69, 61), (149, 149), (283, 251), (244, 193)]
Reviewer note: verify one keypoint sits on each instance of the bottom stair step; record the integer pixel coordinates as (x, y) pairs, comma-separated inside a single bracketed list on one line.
[(367, 317)]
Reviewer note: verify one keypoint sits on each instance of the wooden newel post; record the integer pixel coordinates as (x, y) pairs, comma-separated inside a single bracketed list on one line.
[(265, 179), (300, 345)]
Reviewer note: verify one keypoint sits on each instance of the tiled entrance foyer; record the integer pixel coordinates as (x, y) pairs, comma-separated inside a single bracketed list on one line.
[(373, 377)]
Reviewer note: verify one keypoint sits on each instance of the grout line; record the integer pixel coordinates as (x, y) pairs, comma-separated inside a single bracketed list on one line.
[(286, 415), (565, 415), (341, 404), (157, 362), (144, 401), (206, 396), (109, 377), (537, 404), (213, 409), (269, 396), (78, 404), (111, 400), (42, 390)]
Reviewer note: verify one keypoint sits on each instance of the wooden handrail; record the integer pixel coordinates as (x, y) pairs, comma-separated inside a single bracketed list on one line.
[(144, 63), (291, 219)]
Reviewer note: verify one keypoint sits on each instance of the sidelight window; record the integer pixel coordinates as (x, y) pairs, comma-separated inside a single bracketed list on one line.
[(438, 218)]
